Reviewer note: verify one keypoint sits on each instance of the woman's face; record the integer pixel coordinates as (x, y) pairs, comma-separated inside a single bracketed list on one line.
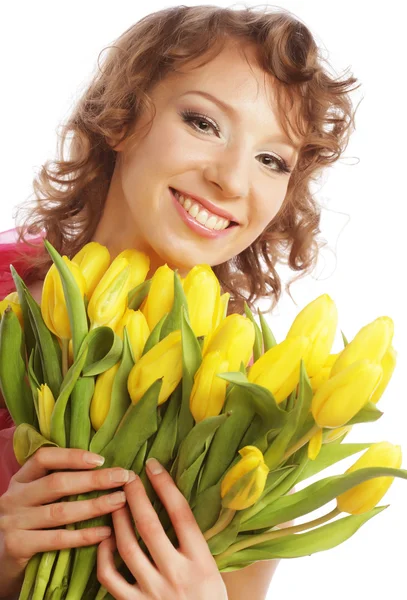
[(233, 157)]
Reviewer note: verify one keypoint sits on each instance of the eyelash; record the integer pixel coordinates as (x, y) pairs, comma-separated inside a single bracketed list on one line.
[(190, 116)]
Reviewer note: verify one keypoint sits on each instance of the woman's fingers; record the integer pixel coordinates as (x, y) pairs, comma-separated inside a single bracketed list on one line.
[(63, 513), (24, 544), (192, 543), (54, 486), (109, 576), (51, 458), (149, 527), (145, 573)]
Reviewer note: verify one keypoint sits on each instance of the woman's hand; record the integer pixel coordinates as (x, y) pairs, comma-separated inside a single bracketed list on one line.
[(187, 573), (29, 511)]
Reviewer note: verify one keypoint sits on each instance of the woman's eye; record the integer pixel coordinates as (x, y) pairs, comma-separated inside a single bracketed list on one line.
[(196, 119)]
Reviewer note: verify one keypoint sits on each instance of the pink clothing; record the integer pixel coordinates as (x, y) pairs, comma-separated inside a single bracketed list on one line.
[(10, 253)]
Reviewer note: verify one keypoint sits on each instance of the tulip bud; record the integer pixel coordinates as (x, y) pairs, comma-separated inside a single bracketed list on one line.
[(160, 298), (341, 397), (234, 338), (109, 300), (278, 369), (244, 483), (324, 373), (137, 329), (14, 297), (139, 266), (53, 306), (371, 342), (202, 291), (93, 260), (314, 445), (388, 365), (46, 405), (15, 307), (100, 404), (365, 496), (164, 360), (318, 322), (209, 391)]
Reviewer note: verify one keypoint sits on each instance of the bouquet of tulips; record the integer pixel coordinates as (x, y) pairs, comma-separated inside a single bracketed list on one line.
[(132, 368)]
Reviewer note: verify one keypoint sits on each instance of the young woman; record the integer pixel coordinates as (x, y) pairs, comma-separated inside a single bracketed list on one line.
[(196, 142)]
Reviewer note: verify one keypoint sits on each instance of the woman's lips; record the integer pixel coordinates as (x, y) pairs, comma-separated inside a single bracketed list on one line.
[(198, 227)]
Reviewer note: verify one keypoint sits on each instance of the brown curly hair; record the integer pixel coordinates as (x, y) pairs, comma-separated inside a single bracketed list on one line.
[(70, 192)]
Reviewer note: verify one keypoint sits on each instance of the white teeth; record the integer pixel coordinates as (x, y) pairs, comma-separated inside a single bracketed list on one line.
[(201, 215)]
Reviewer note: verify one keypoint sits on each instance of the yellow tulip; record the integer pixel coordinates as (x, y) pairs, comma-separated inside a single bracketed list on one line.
[(278, 369), (139, 266), (13, 296), (318, 322), (93, 260), (46, 403), (53, 306), (219, 314), (388, 365), (234, 338), (335, 434), (163, 360), (371, 342), (245, 480), (324, 373), (160, 298), (366, 495), (202, 291), (343, 395), (100, 404), (209, 391), (314, 445), (109, 299), (15, 307), (137, 329)]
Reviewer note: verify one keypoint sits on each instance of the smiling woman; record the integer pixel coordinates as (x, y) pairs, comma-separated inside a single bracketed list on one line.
[(196, 141)]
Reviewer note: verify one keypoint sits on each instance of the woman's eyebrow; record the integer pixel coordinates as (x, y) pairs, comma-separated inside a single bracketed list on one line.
[(230, 109)]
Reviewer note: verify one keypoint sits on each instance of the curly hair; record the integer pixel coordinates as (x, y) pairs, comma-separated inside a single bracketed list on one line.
[(70, 192)]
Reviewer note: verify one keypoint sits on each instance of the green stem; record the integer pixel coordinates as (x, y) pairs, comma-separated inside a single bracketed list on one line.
[(225, 518), (29, 576), (272, 535), (43, 574), (65, 357), (301, 442)]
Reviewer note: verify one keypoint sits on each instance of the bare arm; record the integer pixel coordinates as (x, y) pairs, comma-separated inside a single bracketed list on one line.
[(251, 582)]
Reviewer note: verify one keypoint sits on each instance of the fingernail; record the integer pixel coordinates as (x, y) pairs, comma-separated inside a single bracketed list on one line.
[(132, 476), (154, 466), (119, 475), (104, 532), (117, 498), (93, 459)]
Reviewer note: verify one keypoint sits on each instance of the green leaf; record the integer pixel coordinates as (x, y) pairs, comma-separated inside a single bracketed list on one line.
[(221, 542), (269, 341), (104, 351), (80, 426), (316, 495), (207, 507), (29, 337), (304, 544), (261, 399), (58, 432), (26, 441), (138, 462), (154, 336), (329, 455), (119, 402), (367, 414), (345, 341), (258, 340), (191, 361), (78, 318), (227, 439), (13, 384), (49, 350), (173, 320), (137, 425), (136, 295), (186, 480)]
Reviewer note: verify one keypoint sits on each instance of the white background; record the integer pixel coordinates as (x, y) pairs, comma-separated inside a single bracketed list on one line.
[(48, 52)]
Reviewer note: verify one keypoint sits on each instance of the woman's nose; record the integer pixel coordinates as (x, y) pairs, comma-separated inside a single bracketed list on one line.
[(229, 170)]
